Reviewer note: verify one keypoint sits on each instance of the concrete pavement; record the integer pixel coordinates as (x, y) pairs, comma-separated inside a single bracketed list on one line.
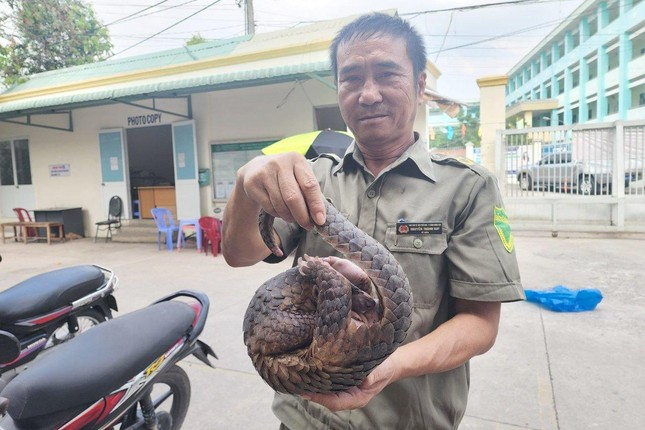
[(547, 371)]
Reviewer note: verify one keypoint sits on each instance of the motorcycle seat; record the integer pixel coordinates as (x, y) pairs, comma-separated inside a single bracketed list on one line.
[(48, 292), (80, 372)]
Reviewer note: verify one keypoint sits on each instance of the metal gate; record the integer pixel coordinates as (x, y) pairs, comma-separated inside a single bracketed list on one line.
[(546, 173)]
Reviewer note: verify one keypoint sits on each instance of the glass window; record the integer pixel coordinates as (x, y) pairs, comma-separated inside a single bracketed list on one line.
[(575, 78), (23, 167), (612, 104), (638, 96), (612, 59), (227, 159), (15, 154), (576, 39), (593, 69), (614, 12), (6, 164), (549, 59), (593, 27), (638, 46)]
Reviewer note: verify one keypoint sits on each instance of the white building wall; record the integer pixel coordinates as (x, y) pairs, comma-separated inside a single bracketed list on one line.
[(237, 115), (254, 114)]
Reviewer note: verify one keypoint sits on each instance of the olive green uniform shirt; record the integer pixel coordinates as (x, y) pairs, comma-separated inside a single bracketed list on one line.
[(457, 245)]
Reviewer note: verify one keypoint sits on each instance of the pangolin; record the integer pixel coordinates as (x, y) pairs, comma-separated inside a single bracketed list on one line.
[(310, 330)]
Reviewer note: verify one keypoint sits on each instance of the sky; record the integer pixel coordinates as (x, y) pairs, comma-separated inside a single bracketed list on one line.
[(465, 44)]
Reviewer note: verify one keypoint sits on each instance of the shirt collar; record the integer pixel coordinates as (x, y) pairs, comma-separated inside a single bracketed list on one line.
[(417, 153)]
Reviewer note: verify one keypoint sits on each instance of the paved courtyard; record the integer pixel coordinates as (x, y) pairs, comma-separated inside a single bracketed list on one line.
[(547, 370)]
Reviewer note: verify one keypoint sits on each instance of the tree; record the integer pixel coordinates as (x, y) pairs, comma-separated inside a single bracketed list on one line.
[(196, 39), (467, 120), (38, 36)]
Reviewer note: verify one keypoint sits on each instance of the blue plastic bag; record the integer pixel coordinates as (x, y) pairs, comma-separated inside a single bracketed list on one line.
[(563, 299)]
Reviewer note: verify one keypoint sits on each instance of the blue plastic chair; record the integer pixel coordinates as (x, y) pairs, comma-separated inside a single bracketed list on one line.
[(165, 224)]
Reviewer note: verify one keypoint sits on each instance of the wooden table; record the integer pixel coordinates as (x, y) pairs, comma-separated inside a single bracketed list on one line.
[(13, 225), (46, 226)]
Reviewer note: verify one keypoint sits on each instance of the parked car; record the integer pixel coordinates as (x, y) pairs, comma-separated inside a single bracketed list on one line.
[(561, 172)]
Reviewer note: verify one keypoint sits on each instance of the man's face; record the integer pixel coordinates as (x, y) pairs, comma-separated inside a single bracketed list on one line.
[(377, 91)]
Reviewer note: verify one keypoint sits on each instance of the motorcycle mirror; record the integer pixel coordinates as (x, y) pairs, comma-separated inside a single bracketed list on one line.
[(9, 347)]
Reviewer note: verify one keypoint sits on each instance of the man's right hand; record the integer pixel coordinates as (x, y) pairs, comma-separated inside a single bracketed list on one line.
[(285, 186)]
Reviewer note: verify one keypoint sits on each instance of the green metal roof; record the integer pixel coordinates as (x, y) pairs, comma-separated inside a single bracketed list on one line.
[(178, 87), (106, 68)]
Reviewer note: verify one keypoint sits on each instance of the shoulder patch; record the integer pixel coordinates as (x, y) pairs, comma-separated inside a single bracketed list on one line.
[(458, 162), (500, 220)]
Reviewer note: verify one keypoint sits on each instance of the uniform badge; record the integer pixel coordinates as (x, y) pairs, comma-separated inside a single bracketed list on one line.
[(500, 219), (432, 227)]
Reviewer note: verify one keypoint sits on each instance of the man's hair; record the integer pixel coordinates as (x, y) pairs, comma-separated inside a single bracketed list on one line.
[(379, 24)]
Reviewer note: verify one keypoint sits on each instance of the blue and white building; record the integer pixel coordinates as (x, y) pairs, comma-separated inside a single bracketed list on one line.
[(589, 69)]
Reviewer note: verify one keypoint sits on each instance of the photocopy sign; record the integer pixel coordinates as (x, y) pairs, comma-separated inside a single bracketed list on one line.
[(152, 118)]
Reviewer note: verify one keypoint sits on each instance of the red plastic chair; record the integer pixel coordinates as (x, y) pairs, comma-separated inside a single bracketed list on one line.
[(24, 216), (211, 234)]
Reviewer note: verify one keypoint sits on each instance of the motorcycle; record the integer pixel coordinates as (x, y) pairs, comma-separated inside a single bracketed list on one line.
[(112, 375), (49, 309)]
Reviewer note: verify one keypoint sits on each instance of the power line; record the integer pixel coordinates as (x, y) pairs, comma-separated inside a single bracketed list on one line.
[(445, 35), (156, 11), (476, 6), (167, 28), (135, 13), (512, 33), (489, 39)]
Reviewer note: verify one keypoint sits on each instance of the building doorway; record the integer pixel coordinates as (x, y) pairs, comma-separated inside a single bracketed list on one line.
[(151, 169)]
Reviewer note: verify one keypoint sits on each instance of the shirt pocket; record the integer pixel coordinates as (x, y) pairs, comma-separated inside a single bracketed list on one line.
[(422, 259), (432, 244)]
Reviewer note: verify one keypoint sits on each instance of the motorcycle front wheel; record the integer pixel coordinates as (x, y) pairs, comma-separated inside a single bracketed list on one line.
[(170, 395)]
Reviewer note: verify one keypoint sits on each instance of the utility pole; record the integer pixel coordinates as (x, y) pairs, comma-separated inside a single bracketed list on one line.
[(249, 18)]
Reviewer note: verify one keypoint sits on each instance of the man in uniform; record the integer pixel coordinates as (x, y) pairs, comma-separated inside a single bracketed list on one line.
[(442, 218)]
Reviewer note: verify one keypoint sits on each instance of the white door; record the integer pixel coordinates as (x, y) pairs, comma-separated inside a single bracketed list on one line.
[(114, 180), (184, 148), (16, 189)]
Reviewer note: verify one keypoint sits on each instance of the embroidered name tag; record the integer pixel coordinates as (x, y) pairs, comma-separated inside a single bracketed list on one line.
[(433, 227)]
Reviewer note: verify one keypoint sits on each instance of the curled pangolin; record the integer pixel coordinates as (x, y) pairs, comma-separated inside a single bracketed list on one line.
[(309, 330)]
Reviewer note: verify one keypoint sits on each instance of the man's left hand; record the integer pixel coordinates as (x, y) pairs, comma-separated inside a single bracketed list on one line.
[(357, 397)]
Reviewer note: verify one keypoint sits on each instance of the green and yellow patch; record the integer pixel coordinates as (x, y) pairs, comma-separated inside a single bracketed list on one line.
[(500, 219)]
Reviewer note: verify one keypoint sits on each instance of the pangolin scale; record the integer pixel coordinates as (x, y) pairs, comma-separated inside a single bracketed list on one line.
[(309, 330)]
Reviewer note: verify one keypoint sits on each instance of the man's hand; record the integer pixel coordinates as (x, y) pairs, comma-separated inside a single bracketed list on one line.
[(358, 397), (285, 186)]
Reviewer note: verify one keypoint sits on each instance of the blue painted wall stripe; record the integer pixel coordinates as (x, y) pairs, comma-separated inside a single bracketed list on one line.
[(183, 135), (110, 147)]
